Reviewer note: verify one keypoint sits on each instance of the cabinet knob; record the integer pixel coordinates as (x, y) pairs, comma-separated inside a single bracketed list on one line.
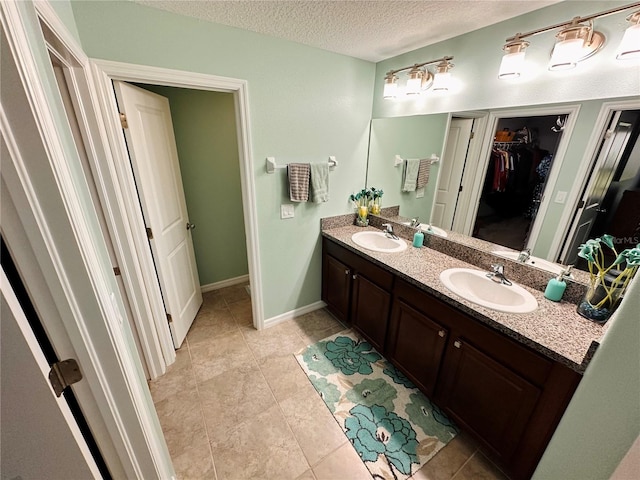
[(457, 344), (347, 272), (355, 276), (441, 333)]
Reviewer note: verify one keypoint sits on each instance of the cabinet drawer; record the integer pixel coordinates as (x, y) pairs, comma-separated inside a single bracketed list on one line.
[(523, 361), (375, 274)]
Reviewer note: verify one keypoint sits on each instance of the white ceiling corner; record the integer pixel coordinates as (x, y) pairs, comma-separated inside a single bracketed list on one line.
[(372, 30)]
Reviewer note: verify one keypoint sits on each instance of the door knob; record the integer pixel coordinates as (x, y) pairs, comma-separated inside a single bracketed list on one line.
[(190, 226)]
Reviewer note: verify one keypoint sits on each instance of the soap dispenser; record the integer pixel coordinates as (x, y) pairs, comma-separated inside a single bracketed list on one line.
[(418, 239), (556, 286)]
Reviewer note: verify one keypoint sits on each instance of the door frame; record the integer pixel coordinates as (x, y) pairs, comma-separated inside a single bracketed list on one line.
[(103, 72), (63, 258), (574, 196), (472, 202)]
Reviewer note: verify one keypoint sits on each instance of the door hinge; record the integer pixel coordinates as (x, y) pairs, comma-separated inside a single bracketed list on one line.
[(608, 133), (123, 121), (473, 134), (116, 271), (149, 233), (63, 374), (169, 318), (459, 188)]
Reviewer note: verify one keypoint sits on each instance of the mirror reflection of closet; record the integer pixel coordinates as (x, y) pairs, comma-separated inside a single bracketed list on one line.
[(523, 152)]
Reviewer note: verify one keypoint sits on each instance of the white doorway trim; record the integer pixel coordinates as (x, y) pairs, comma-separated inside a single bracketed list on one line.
[(576, 192), (142, 294), (471, 208), (104, 72)]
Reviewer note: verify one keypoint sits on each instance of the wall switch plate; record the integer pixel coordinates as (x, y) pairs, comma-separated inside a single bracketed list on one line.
[(561, 197), (286, 211)]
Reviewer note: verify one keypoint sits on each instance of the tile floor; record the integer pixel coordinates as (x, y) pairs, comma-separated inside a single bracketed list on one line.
[(236, 405)]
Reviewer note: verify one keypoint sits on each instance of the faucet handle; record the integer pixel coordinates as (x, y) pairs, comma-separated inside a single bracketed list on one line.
[(497, 268), (388, 227)]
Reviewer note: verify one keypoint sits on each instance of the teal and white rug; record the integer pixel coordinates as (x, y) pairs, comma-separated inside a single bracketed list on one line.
[(394, 428)]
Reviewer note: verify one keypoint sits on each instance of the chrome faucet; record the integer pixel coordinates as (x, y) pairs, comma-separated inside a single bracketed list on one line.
[(524, 255), (497, 275), (388, 231), (415, 223)]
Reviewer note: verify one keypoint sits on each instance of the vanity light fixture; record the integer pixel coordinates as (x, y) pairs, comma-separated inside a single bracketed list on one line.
[(577, 40), (419, 78), (629, 47)]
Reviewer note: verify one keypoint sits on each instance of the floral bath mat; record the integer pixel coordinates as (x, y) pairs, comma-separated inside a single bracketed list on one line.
[(394, 428)]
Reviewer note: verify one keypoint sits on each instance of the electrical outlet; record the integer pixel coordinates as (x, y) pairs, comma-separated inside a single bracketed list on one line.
[(286, 211)]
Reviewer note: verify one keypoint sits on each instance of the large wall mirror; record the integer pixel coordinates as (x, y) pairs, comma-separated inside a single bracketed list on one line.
[(543, 178)]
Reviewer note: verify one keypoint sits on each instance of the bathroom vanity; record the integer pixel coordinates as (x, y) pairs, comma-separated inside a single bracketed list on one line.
[(504, 378)]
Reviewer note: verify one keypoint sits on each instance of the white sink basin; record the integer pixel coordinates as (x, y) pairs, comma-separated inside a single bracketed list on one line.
[(476, 287), (533, 261), (430, 229), (378, 242)]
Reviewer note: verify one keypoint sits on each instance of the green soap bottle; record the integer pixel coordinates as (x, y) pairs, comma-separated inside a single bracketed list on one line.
[(556, 286)]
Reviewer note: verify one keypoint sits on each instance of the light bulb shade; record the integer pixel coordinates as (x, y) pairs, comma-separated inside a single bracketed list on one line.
[(629, 47), (513, 60), (390, 86), (414, 83), (574, 44), (441, 82)]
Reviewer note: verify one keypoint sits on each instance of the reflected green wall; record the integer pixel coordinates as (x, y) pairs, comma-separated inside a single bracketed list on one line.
[(305, 104), (409, 137), (207, 142)]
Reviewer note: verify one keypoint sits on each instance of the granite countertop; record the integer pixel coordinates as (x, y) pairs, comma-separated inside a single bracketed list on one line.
[(554, 329)]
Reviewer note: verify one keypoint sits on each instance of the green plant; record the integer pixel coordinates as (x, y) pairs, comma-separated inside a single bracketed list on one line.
[(623, 268), (361, 199)]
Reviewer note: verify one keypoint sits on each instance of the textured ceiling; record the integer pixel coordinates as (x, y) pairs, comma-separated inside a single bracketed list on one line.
[(372, 30)]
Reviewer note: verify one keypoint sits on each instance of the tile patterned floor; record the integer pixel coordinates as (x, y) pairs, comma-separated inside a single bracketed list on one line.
[(236, 405)]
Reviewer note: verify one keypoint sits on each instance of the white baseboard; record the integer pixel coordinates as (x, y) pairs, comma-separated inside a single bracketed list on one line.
[(270, 322), (224, 283)]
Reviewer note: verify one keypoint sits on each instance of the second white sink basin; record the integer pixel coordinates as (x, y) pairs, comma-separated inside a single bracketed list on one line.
[(533, 261), (378, 242), (433, 230), (476, 287)]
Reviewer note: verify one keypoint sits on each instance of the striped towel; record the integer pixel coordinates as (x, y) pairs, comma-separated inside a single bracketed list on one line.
[(299, 174), (320, 182), (410, 175), (423, 173)]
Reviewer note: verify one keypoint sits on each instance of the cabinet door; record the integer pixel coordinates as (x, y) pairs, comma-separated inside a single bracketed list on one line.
[(370, 311), (486, 397), (415, 344), (336, 286)]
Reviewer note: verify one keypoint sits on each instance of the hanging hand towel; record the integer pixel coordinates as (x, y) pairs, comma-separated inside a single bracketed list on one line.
[(298, 174), (320, 182), (423, 173), (410, 177)]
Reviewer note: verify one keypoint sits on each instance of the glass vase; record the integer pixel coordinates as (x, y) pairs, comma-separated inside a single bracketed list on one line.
[(363, 213), (376, 207), (601, 299)]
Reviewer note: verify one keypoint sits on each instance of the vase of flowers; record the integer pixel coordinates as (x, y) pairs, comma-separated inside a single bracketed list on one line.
[(376, 200), (361, 201), (607, 283)]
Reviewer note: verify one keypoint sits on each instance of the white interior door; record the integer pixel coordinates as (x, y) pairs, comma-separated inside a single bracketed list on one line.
[(451, 169), (154, 157), (40, 438)]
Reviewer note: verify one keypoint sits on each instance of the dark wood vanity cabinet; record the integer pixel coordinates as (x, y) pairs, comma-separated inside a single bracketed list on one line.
[(508, 396), (357, 292)]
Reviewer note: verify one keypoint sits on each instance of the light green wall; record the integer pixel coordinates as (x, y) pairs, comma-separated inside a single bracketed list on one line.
[(65, 13), (409, 137), (603, 418), (305, 104), (207, 142)]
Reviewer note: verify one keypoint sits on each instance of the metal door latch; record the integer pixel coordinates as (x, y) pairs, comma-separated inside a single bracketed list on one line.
[(63, 374)]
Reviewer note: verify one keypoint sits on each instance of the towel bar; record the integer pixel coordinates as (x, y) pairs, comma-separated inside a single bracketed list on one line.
[(398, 159), (272, 166)]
